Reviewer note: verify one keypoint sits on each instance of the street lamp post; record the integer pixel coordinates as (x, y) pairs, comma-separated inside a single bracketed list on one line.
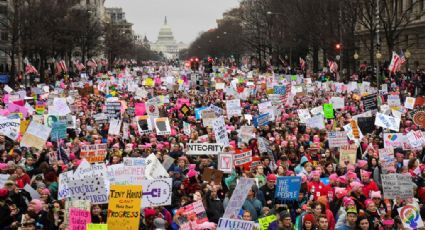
[(407, 54), (378, 58), (356, 57)]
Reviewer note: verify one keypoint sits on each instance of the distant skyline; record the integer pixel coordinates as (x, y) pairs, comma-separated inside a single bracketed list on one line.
[(187, 18)]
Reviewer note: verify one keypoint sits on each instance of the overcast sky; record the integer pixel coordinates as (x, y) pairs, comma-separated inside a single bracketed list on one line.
[(186, 17)]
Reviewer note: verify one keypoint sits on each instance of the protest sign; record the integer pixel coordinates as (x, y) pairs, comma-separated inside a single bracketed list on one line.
[(370, 102), (10, 127), (317, 110), (416, 139), (304, 115), (337, 139), (154, 168), (204, 148), (409, 103), (279, 89), (348, 154), (387, 122), (328, 110), (265, 221), (366, 124), (23, 127), (410, 216), (287, 188), (212, 175), (79, 218), (36, 135), (162, 126), (225, 162), (393, 100), (242, 157), (234, 224), (396, 140), (238, 198), (191, 215), (233, 108), (124, 174), (198, 112), (337, 102), (113, 109), (386, 158), (90, 188), (114, 127), (157, 192), (261, 120), (124, 207), (185, 109), (419, 118), (73, 203), (139, 109), (246, 133), (60, 107), (397, 186), (208, 118), (144, 124), (94, 153), (217, 110), (219, 127), (316, 122), (58, 131), (262, 107), (97, 227)]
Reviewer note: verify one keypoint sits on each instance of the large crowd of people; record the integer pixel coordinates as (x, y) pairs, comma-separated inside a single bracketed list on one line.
[(340, 183)]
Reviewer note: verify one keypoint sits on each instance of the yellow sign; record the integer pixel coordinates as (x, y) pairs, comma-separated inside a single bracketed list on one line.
[(265, 221), (124, 207), (24, 126), (149, 82), (97, 227)]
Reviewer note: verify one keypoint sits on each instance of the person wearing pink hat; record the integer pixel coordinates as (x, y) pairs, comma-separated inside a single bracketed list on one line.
[(269, 189), (315, 186), (369, 184), (372, 214)]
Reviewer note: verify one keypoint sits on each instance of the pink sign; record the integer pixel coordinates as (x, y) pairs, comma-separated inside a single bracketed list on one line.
[(140, 109), (78, 219)]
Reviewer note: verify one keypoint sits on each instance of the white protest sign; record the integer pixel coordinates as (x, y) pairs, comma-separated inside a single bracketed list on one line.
[(3, 179), (397, 186), (186, 128), (233, 107), (225, 162), (114, 127), (235, 224), (152, 109), (410, 216), (157, 192), (338, 102), (36, 135), (337, 139), (219, 127), (393, 100), (238, 198), (124, 174), (10, 127), (388, 122), (60, 107), (316, 122), (416, 139), (204, 148), (409, 103), (91, 188), (154, 168), (304, 115), (208, 117), (162, 126), (317, 110), (262, 107)]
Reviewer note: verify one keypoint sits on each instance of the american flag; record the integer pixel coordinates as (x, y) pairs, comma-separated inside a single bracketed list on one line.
[(302, 63), (333, 67), (80, 66), (92, 63), (395, 63), (61, 67), (30, 69), (104, 62)]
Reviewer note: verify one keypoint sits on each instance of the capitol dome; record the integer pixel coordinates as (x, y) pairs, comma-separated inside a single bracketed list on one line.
[(166, 44)]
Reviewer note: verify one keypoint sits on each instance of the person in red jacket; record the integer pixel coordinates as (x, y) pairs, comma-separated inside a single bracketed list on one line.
[(316, 187), (369, 184), (21, 177)]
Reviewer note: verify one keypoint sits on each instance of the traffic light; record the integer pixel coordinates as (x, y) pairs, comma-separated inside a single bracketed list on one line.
[(338, 47)]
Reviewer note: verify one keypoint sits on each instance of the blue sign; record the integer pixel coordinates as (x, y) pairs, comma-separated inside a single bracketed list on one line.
[(261, 120), (4, 79), (325, 180), (287, 187), (58, 131), (198, 112), (280, 89)]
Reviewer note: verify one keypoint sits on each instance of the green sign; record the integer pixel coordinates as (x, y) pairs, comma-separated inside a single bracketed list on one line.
[(328, 109), (265, 221)]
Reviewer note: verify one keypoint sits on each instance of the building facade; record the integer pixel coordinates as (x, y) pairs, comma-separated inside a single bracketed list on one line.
[(411, 38), (4, 37), (166, 44), (117, 17)]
